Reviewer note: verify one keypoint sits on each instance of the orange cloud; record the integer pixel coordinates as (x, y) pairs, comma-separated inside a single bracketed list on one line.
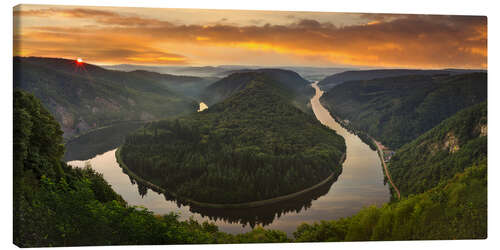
[(96, 47), (100, 16), (418, 41)]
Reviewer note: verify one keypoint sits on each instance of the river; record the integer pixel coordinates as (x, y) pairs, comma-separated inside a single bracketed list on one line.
[(360, 184), (203, 106)]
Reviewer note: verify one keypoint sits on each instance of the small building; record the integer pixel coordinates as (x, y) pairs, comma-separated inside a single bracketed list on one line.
[(388, 154)]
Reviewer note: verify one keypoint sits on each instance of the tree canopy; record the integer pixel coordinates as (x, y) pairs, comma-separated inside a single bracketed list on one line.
[(439, 154)]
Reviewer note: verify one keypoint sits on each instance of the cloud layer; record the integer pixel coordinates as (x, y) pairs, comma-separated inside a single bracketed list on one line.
[(417, 41)]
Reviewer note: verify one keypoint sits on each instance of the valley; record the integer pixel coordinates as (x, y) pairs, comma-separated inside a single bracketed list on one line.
[(345, 180), (396, 110)]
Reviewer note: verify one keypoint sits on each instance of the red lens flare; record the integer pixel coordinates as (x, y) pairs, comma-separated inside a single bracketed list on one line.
[(79, 65)]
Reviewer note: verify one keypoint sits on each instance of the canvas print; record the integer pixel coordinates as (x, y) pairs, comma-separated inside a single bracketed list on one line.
[(145, 126)]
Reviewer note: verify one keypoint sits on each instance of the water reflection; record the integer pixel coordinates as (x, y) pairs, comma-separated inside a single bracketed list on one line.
[(262, 216), (99, 141)]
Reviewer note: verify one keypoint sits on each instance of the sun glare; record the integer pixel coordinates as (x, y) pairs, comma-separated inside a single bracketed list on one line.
[(79, 60)]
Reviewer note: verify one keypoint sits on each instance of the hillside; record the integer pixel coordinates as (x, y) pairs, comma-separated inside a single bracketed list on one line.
[(397, 110), (357, 75), (238, 81), (84, 96), (252, 146), (440, 153), (188, 86), (309, 73)]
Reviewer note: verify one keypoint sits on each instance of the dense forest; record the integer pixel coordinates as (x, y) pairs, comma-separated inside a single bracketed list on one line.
[(397, 110), (238, 81), (83, 97), (442, 152), (252, 146)]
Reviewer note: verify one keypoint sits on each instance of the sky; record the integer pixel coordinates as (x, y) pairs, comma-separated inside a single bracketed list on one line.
[(193, 37)]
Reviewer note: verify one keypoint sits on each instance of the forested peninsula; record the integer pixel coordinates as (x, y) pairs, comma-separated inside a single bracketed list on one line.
[(254, 145)]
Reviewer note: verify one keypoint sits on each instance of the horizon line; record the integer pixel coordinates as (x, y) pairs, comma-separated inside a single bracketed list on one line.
[(353, 67)]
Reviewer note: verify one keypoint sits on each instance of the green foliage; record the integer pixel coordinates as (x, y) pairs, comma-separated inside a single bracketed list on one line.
[(72, 214), (261, 235), (455, 209), (37, 148), (37, 137), (87, 97), (324, 231), (397, 110), (254, 145), (443, 151)]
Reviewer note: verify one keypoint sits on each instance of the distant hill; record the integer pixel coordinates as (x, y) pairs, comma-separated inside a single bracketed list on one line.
[(309, 73), (84, 97), (356, 75), (456, 143), (397, 110), (238, 81), (203, 71), (253, 145)]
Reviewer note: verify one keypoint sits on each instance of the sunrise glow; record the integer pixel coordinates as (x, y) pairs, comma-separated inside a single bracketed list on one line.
[(212, 37)]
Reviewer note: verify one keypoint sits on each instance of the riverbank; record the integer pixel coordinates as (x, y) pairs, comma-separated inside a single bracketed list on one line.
[(381, 155), (362, 135), (370, 141), (251, 204), (373, 145)]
